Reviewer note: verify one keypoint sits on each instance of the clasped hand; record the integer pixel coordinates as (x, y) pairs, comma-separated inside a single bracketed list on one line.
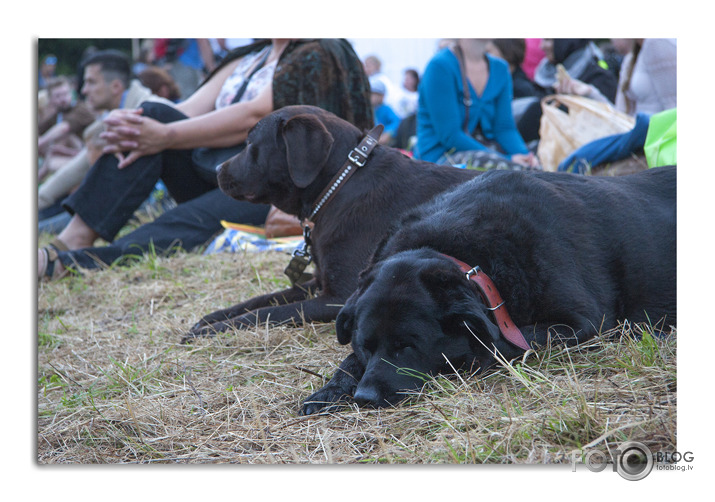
[(569, 85), (526, 159), (129, 135)]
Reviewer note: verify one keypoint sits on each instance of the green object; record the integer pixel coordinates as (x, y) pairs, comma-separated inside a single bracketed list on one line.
[(661, 140)]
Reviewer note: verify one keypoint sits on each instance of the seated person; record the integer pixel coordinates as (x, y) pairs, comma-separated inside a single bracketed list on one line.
[(647, 86), (574, 59), (568, 60), (648, 78), (512, 51), (60, 126), (384, 114), (160, 83), (475, 128)]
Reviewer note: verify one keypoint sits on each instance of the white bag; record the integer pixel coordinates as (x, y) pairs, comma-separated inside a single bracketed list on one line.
[(584, 121)]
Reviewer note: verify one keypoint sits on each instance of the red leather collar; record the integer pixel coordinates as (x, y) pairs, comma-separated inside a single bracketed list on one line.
[(494, 302)]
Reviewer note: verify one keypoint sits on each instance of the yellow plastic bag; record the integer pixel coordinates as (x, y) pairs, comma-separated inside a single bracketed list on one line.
[(562, 132)]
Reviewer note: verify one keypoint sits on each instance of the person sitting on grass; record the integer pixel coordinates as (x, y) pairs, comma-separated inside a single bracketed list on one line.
[(464, 114), (107, 86), (384, 114)]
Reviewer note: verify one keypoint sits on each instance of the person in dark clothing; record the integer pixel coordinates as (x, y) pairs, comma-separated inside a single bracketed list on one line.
[(571, 66), (582, 63), (161, 142), (512, 50)]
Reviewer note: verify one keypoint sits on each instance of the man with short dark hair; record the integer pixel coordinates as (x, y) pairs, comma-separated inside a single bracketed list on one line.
[(107, 76)]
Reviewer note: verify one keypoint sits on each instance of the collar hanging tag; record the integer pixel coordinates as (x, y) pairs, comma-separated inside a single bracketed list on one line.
[(296, 270), (300, 261)]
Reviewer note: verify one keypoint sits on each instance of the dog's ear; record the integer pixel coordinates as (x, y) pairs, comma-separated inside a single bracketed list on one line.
[(308, 144), (460, 304), (481, 327), (344, 326), (345, 322)]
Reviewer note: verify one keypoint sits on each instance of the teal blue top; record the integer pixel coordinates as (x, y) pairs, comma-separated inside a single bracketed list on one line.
[(441, 111)]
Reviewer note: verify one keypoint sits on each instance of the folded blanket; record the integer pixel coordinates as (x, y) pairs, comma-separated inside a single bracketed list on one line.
[(237, 237)]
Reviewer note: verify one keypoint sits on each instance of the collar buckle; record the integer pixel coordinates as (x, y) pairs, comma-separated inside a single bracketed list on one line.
[(472, 272), (354, 157)]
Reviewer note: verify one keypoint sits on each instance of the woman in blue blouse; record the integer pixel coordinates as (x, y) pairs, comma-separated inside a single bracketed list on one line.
[(441, 134)]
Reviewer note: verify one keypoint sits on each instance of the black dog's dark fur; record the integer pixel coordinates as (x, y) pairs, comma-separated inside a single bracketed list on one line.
[(290, 157), (571, 255)]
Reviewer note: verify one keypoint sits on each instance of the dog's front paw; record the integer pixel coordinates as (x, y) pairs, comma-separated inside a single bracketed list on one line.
[(338, 390), (201, 332), (210, 330), (209, 319), (327, 399)]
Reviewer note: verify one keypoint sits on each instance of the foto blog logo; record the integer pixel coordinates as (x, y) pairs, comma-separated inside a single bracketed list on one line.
[(632, 460)]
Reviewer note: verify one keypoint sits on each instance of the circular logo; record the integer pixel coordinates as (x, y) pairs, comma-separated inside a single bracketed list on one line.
[(635, 461)]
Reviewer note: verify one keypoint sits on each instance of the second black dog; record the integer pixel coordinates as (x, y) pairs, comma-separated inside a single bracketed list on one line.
[(561, 257)]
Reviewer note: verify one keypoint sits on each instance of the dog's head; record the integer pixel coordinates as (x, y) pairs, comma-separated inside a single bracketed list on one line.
[(413, 314), (285, 153)]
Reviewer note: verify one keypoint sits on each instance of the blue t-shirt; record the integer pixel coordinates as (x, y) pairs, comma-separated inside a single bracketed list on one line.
[(387, 117), (441, 111)]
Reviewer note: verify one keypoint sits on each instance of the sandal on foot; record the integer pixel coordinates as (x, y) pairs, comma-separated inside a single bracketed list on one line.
[(51, 255)]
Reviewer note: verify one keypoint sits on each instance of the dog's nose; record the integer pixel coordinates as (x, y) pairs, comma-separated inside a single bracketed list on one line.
[(367, 396)]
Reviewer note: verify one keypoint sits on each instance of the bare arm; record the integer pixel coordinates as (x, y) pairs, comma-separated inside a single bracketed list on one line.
[(203, 99), (55, 133), (207, 54), (127, 130), (224, 127)]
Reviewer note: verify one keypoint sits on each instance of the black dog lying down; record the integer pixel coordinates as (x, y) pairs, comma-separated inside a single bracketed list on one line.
[(570, 255), (292, 156)]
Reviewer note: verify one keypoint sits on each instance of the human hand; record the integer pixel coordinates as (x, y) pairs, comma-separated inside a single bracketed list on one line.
[(121, 124), (569, 85), (526, 159), (62, 150), (128, 131)]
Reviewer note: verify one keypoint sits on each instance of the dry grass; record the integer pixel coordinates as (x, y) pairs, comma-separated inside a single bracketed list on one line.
[(115, 386)]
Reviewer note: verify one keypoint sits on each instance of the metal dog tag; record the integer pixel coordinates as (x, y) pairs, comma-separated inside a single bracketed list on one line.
[(300, 261), (296, 270)]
